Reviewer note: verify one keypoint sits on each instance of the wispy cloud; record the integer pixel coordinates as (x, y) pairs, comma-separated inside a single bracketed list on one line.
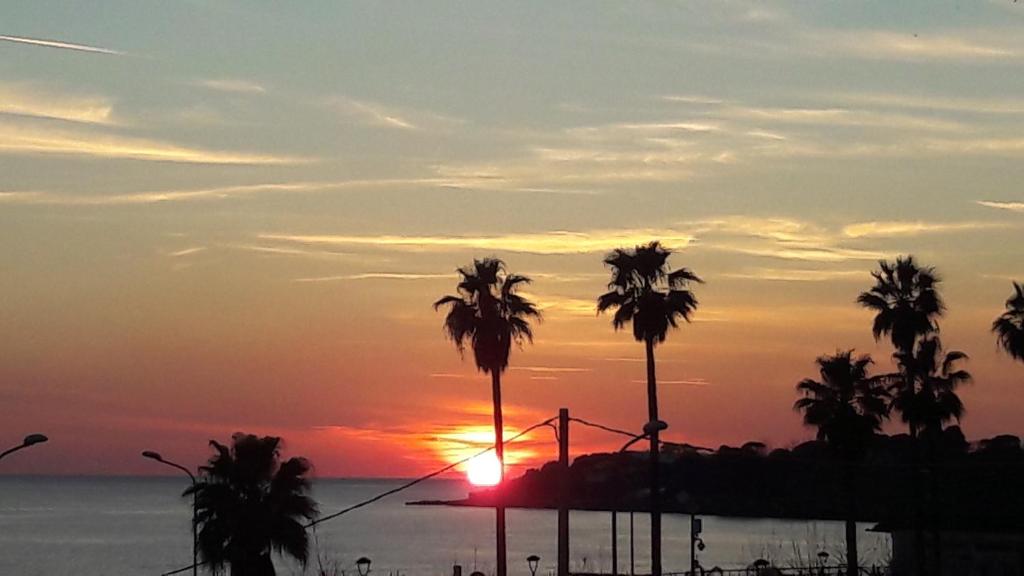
[(781, 238), (806, 253), (232, 85), (555, 242), (20, 197), (372, 113), (556, 369), (889, 229), (187, 251), (60, 45), (292, 251), (889, 45), (39, 140), (795, 275), (564, 305), (1011, 206), (375, 276), (692, 99), (933, 102), (698, 382), (617, 130), (457, 376), (840, 117), (162, 196), (227, 192), (26, 100)]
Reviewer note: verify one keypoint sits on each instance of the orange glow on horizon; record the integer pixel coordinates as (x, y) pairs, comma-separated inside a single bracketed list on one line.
[(467, 441)]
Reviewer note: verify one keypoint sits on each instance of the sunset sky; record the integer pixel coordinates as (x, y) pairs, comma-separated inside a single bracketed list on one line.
[(235, 216)]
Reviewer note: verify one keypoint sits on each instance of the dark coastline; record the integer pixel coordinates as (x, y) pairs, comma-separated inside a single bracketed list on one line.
[(974, 485)]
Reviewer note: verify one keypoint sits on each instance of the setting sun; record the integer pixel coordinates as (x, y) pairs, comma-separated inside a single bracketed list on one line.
[(484, 470)]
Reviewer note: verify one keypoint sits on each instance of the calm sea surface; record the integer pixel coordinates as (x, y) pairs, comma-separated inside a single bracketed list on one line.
[(140, 526)]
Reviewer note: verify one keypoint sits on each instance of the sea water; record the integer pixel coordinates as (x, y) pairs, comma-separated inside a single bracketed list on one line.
[(74, 526)]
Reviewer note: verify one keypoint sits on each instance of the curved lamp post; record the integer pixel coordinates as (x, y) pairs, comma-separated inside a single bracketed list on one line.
[(30, 440), (649, 428), (532, 560), (195, 512), (363, 565)]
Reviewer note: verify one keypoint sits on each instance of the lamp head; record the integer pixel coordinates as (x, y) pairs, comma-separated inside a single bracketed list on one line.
[(532, 560), (654, 426), (153, 455), (32, 439), (363, 565)]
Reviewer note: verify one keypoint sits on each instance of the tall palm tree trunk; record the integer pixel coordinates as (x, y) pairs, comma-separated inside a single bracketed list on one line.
[(655, 466), (852, 562), (851, 547), (918, 476), (499, 449)]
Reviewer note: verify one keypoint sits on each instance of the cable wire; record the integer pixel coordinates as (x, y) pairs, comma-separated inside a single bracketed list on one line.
[(387, 493)]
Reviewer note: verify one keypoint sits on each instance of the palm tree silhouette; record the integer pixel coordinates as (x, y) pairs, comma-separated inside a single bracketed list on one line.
[(489, 316), (249, 504), (638, 293), (907, 304), (932, 401), (1009, 326), (847, 406)]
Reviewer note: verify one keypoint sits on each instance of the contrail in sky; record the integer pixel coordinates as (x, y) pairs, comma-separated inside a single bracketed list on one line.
[(59, 44)]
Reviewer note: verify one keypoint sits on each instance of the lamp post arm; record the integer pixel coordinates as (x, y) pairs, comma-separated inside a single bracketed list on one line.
[(195, 509), (632, 441), (11, 450), (191, 476)]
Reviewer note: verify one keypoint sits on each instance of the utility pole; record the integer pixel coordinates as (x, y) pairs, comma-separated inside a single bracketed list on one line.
[(615, 543), (696, 527), (563, 492)]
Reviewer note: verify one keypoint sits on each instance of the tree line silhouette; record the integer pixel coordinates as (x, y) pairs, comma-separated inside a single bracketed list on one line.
[(848, 405), (250, 503)]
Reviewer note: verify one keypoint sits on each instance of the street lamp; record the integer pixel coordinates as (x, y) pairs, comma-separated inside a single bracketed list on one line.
[(363, 565), (649, 428), (532, 561), (30, 440), (195, 511), (822, 561)]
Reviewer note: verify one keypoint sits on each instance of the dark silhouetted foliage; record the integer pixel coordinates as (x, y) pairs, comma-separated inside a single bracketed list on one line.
[(250, 504), (1009, 326)]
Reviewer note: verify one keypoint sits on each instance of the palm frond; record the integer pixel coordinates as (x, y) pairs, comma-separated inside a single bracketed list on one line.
[(683, 277), (645, 293), (247, 502), (489, 315), (847, 405)]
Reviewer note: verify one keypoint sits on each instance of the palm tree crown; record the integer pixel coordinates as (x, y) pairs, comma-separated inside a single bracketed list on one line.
[(905, 300), (1009, 327), (932, 401), (249, 503), (846, 405), (635, 289), (488, 314)]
